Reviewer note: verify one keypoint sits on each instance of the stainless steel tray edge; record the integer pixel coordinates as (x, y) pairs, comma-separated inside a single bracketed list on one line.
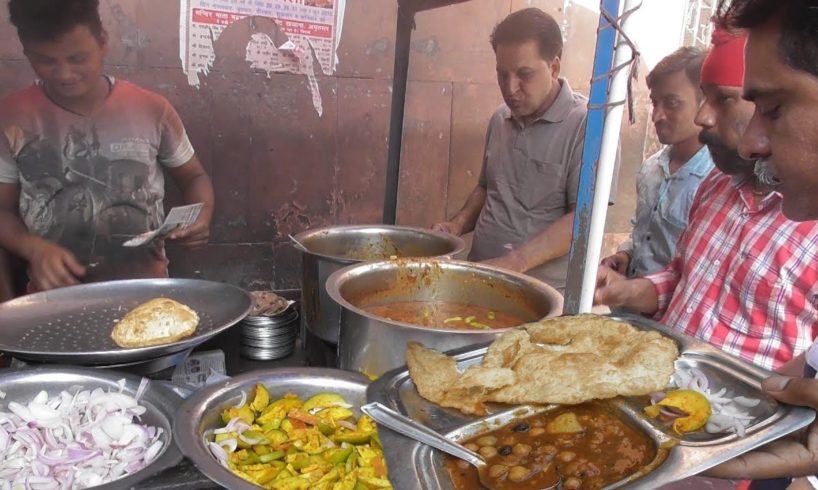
[(684, 460)]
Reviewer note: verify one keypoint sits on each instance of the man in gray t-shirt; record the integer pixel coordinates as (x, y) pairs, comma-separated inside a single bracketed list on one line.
[(522, 208)]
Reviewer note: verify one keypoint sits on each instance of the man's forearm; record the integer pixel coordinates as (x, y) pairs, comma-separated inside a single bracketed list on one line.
[(15, 237), (466, 218), (200, 190), (641, 296), (553, 242), (6, 277)]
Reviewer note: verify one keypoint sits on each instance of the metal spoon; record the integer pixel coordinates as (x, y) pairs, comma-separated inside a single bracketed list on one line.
[(298, 244), (409, 428)]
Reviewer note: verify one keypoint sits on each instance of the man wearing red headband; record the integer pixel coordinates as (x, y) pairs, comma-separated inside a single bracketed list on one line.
[(743, 277), (782, 81)]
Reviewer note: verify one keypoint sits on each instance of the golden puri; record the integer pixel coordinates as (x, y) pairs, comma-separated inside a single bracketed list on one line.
[(565, 360), (158, 321)]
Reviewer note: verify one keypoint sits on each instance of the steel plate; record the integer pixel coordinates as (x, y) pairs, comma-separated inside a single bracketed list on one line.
[(159, 400), (202, 410), (417, 466), (73, 325)]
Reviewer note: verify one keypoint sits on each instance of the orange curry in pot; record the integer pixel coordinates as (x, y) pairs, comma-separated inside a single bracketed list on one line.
[(589, 446), (445, 315)]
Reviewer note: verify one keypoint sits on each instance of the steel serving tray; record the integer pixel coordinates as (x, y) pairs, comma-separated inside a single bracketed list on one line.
[(202, 410), (73, 325), (160, 401), (413, 465)]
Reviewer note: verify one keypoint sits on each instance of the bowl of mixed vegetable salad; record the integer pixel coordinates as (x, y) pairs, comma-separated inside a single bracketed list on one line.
[(284, 429)]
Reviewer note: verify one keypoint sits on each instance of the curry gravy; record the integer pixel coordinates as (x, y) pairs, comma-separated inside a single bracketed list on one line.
[(445, 314), (597, 448)]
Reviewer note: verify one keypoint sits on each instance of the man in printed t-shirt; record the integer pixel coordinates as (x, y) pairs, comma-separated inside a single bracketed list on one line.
[(82, 157)]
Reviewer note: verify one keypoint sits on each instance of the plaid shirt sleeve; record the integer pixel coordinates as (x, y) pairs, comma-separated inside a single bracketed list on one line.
[(665, 283)]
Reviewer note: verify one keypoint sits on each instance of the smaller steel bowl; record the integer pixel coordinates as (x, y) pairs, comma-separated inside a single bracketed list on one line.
[(159, 400), (202, 410)]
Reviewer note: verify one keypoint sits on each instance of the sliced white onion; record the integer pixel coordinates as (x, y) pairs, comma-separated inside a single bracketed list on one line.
[(230, 444), (74, 441), (250, 440), (242, 401), (218, 452), (153, 451), (21, 411), (143, 385), (746, 402), (235, 425)]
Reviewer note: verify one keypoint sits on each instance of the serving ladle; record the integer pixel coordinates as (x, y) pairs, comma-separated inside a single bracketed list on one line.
[(402, 424), (298, 243)]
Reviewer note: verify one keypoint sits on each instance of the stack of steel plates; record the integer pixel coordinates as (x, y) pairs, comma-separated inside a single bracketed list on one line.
[(265, 338)]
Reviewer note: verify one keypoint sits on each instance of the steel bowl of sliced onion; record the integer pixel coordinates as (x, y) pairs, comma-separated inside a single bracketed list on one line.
[(71, 428)]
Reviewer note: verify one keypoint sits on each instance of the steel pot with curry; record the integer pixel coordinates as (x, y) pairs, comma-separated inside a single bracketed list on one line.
[(446, 304)]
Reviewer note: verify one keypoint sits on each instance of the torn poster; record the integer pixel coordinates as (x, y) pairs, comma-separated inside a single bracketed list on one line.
[(287, 36)]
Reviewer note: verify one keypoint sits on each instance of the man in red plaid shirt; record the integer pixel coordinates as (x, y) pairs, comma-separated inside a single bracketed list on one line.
[(744, 277), (782, 81)]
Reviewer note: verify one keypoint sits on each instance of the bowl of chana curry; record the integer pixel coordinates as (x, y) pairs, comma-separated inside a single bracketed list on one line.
[(587, 446)]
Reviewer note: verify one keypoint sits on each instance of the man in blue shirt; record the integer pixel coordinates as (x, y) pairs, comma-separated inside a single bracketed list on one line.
[(668, 180)]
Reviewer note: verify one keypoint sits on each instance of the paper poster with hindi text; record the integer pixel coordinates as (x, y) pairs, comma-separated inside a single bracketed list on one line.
[(286, 36)]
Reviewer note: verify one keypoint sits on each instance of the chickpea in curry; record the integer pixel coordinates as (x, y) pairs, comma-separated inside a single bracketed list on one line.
[(587, 445)]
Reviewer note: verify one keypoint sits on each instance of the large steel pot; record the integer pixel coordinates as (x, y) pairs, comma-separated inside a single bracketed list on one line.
[(325, 250), (374, 345)]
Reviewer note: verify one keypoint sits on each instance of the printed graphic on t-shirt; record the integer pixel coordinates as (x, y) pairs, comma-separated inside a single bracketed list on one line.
[(83, 200), (92, 182)]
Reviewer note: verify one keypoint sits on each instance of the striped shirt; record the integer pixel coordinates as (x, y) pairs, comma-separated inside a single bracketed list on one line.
[(744, 278)]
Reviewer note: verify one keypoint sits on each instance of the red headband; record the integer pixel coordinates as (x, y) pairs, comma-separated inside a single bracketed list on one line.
[(724, 64)]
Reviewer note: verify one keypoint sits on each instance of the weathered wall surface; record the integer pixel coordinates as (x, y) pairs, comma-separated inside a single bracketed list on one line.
[(279, 168)]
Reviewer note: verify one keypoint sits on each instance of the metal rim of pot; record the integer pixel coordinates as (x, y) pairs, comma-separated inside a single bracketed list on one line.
[(457, 243)]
